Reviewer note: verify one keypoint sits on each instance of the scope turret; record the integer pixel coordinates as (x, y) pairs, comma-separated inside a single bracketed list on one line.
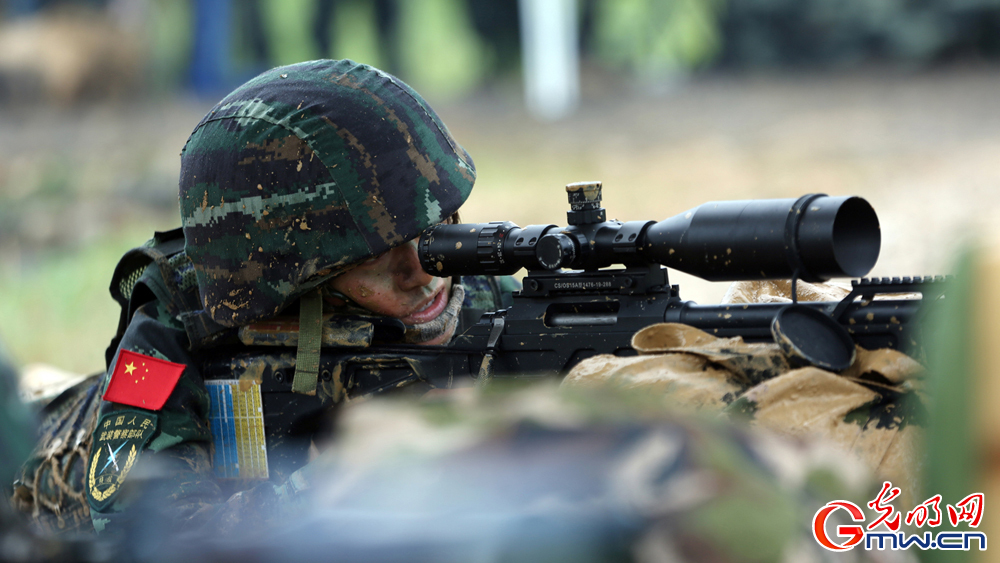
[(815, 237)]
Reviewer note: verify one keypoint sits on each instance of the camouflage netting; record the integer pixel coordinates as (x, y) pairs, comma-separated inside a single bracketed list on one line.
[(307, 169), (876, 408)]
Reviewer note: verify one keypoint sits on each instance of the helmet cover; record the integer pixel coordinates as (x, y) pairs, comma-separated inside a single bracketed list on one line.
[(304, 171)]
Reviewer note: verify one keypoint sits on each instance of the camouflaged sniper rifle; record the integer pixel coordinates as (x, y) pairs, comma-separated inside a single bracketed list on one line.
[(573, 306)]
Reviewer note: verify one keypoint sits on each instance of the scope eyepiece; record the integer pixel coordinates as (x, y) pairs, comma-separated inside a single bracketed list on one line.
[(500, 248)]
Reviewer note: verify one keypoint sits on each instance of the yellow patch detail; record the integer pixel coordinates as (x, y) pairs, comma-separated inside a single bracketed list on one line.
[(115, 480)]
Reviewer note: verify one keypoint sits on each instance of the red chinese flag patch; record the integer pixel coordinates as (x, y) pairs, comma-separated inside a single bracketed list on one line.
[(142, 381)]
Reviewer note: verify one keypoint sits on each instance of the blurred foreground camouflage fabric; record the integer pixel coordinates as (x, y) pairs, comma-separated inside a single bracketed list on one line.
[(522, 473), (542, 474)]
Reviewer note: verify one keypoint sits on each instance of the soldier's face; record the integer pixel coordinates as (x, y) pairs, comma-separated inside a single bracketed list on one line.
[(395, 285)]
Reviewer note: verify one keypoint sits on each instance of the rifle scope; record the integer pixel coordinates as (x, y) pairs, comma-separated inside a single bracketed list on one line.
[(816, 237)]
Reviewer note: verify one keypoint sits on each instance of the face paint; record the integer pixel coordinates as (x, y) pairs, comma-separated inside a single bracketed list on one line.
[(393, 284), (441, 327)]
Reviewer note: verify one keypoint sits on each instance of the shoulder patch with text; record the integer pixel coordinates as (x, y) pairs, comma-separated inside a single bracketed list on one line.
[(119, 438)]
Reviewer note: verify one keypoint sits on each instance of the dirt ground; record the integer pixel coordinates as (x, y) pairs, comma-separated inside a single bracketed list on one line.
[(923, 148)]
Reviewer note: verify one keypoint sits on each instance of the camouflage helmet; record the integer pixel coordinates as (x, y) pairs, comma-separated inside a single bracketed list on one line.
[(305, 170)]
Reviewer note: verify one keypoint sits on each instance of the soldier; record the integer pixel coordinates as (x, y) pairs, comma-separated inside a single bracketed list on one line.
[(301, 196)]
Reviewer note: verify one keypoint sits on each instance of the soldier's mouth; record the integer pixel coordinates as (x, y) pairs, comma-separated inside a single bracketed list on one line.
[(430, 310), (441, 328)]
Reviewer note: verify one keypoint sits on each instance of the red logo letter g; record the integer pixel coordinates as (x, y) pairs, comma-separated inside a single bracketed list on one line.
[(856, 533)]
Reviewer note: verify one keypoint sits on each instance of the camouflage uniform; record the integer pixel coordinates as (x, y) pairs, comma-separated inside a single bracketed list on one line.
[(289, 181)]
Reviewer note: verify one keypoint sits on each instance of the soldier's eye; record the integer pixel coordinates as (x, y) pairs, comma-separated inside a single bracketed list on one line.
[(374, 259)]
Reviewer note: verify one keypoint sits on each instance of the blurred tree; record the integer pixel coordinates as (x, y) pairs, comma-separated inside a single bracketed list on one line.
[(428, 42), (365, 31), (353, 29), (657, 39), (250, 44), (975, 30), (19, 8), (169, 38), (441, 56), (289, 31), (849, 32), (271, 32), (497, 23)]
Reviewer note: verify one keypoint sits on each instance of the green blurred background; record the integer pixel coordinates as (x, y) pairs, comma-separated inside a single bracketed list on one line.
[(681, 102)]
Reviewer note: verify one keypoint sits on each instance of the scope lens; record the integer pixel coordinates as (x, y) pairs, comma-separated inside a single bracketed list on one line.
[(857, 237), (839, 237)]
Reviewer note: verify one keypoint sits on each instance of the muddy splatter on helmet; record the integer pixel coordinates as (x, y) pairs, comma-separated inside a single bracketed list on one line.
[(305, 170)]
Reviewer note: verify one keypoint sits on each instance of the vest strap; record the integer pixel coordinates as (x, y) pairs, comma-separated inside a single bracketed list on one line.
[(310, 339)]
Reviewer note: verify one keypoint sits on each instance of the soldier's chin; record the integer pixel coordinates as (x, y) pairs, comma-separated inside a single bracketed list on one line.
[(443, 339), (441, 329)]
